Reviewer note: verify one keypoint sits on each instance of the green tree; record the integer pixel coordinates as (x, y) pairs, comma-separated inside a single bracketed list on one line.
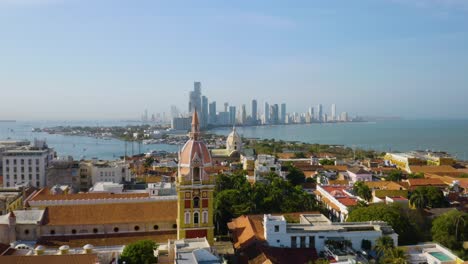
[(418, 199), (394, 175), (394, 215), (383, 244), (451, 229), (362, 190), (139, 252), (295, 175), (394, 256), (324, 162), (148, 162), (300, 155)]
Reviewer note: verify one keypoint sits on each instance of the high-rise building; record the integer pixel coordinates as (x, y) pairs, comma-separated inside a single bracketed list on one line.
[(319, 113), (344, 117), (212, 113), (274, 114), (226, 105), (333, 112), (243, 115), (266, 113), (174, 111), (195, 101), (254, 112), (204, 110), (283, 113), (232, 115), (311, 113)]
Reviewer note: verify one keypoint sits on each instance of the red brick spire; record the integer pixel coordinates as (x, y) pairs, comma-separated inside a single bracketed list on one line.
[(195, 126)]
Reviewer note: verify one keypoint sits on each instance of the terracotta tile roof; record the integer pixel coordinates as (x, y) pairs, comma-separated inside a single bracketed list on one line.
[(384, 185), (339, 182), (270, 255), (79, 241), (44, 196), (51, 259), (432, 169), (245, 231), (426, 182), (161, 211), (336, 167)]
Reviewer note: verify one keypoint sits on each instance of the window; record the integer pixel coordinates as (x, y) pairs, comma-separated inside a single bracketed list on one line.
[(7, 162), (196, 202), (187, 218), (196, 217), (52, 232), (174, 226), (155, 227), (205, 217), (293, 242), (196, 174), (303, 241), (116, 229), (276, 228), (37, 162), (22, 161), (95, 230), (74, 231), (136, 228), (26, 232), (29, 161), (312, 242), (14, 162)]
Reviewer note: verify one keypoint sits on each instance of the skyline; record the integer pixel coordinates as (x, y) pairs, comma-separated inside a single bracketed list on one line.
[(115, 58)]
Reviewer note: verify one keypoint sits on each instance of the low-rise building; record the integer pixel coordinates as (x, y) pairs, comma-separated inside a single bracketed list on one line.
[(188, 251), (64, 171), (27, 164), (356, 174), (105, 171), (265, 165), (338, 200), (419, 158), (430, 253)]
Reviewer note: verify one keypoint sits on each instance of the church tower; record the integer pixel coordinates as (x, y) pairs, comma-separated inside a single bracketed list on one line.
[(195, 188)]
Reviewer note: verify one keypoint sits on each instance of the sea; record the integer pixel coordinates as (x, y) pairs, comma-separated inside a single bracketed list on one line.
[(389, 135)]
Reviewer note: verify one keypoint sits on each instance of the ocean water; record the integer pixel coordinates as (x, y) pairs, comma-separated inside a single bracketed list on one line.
[(79, 146), (400, 135), (396, 135)]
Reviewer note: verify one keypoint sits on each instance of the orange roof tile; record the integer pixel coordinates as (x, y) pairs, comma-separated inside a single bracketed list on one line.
[(51, 259), (161, 211), (426, 182), (432, 169), (45, 196)]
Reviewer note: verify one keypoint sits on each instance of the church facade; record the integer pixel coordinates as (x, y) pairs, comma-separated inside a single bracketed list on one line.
[(195, 187)]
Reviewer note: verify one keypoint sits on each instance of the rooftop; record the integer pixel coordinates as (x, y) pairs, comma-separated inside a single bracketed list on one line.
[(50, 259), (24, 217)]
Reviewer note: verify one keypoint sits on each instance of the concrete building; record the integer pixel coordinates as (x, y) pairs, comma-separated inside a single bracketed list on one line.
[(266, 113), (333, 112), (405, 161), (232, 115), (319, 116), (27, 164), (243, 116), (64, 171), (283, 114), (188, 251), (356, 174), (274, 114), (212, 119), (338, 200), (107, 171), (204, 111), (195, 101), (264, 165), (344, 117), (254, 112), (181, 123)]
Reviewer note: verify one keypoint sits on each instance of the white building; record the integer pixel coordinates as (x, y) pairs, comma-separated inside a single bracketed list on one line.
[(264, 165), (316, 231), (27, 164), (107, 171), (359, 174)]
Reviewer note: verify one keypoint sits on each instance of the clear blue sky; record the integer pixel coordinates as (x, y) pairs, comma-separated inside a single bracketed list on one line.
[(82, 59)]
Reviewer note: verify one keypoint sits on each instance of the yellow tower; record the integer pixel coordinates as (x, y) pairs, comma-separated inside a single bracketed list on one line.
[(195, 188)]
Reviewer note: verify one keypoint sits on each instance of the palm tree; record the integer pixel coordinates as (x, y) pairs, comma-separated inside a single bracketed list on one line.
[(395, 256), (418, 199), (383, 244)]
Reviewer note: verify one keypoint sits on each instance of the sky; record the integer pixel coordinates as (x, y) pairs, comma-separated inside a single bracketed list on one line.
[(112, 59)]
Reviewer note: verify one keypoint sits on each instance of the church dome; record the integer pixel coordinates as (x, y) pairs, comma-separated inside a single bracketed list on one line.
[(194, 154), (234, 141)]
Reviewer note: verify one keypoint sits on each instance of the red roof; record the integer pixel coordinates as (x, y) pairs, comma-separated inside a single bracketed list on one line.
[(426, 182)]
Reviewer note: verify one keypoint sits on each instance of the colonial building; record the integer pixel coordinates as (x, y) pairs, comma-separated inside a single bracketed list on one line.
[(195, 188), (233, 150)]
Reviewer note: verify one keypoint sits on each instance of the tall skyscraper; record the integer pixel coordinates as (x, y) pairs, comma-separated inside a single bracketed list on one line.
[(319, 113), (333, 112), (243, 115), (283, 113), (274, 114), (226, 105), (254, 112), (195, 101), (204, 110), (311, 113), (266, 113), (232, 115), (212, 113)]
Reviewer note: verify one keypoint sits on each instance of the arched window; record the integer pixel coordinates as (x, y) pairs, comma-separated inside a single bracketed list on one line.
[(73, 231), (95, 230), (187, 218), (205, 217), (155, 227), (196, 218), (137, 228), (196, 174), (116, 229), (196, 202)]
